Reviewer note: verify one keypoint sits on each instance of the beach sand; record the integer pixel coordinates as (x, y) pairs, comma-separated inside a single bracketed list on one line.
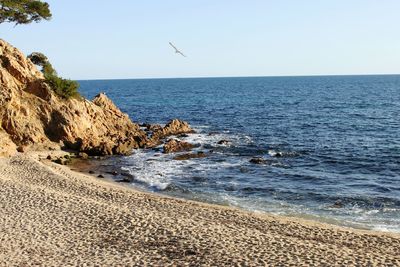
[(52, 216)]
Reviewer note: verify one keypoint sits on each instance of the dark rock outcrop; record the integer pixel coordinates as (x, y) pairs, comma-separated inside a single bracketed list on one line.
[(258, 160), (223, 142)]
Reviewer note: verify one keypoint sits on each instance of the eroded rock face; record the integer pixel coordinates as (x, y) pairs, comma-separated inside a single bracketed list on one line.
[(32, 116), (7, 146), (102, 129)]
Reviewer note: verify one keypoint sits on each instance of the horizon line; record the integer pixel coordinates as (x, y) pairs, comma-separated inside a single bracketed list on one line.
[(250, 76)]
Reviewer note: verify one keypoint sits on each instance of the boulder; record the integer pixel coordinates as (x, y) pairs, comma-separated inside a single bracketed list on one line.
[(174, 145), (174, 127)]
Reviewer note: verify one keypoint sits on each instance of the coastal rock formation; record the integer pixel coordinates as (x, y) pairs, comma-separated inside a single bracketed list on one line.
[(174, 145), (32, 116), (174, 127)]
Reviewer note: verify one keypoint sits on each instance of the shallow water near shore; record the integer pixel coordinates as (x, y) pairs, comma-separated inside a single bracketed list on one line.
[(330, 145)]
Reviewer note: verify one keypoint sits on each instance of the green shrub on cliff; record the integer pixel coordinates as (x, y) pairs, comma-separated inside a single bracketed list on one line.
[(62, 87), (23, 11)]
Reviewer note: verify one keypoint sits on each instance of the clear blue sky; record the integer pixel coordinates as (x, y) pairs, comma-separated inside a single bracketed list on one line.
[(96, 39)]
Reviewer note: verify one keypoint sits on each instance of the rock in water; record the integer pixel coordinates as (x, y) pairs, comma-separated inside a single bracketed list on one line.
[(32, 116), (188, 156), (173, 145), (223, 142), (337, 205), (258, 160), (174, 127)]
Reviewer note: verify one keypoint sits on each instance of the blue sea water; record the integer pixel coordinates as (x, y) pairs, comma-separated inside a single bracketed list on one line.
[(326, 140)]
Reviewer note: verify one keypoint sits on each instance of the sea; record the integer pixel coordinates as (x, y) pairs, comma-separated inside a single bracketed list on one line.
[(330, 145)]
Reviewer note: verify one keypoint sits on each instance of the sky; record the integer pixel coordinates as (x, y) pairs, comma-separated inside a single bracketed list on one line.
[(122, 39)]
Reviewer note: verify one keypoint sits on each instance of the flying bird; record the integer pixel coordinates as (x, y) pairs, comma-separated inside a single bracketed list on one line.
[(176, 49)]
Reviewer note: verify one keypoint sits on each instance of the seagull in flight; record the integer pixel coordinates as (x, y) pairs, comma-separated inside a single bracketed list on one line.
[(176, 49)]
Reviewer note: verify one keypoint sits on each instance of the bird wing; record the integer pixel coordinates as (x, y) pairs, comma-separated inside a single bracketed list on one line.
[(179, 52), (173, 46), (176, 49)]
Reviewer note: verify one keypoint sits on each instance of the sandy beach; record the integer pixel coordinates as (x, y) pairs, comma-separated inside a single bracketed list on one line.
[(52, 216)]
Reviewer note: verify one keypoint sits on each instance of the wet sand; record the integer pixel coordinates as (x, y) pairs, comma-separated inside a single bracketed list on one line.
[(52, 216)]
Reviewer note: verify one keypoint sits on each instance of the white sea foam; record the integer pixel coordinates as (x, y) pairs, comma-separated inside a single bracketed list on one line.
[(154, 171), (385, 228), (202, 137), (157, 170), (272, 153)]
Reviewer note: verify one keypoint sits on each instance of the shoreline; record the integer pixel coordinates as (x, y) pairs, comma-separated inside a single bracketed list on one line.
[(113, 175), (52, 215)]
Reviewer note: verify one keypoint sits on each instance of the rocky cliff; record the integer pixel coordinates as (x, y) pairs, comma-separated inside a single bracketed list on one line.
[(32, 116)]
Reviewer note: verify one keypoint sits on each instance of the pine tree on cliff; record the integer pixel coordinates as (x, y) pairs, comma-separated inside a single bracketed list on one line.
[(64, 88), (23, 11)]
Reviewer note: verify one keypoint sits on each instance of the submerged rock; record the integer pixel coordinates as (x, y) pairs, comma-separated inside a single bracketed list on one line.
[(258, 160), (337, 205), (223, 142), (126, 179), (274, 153), (174, 145), (190, 156)]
